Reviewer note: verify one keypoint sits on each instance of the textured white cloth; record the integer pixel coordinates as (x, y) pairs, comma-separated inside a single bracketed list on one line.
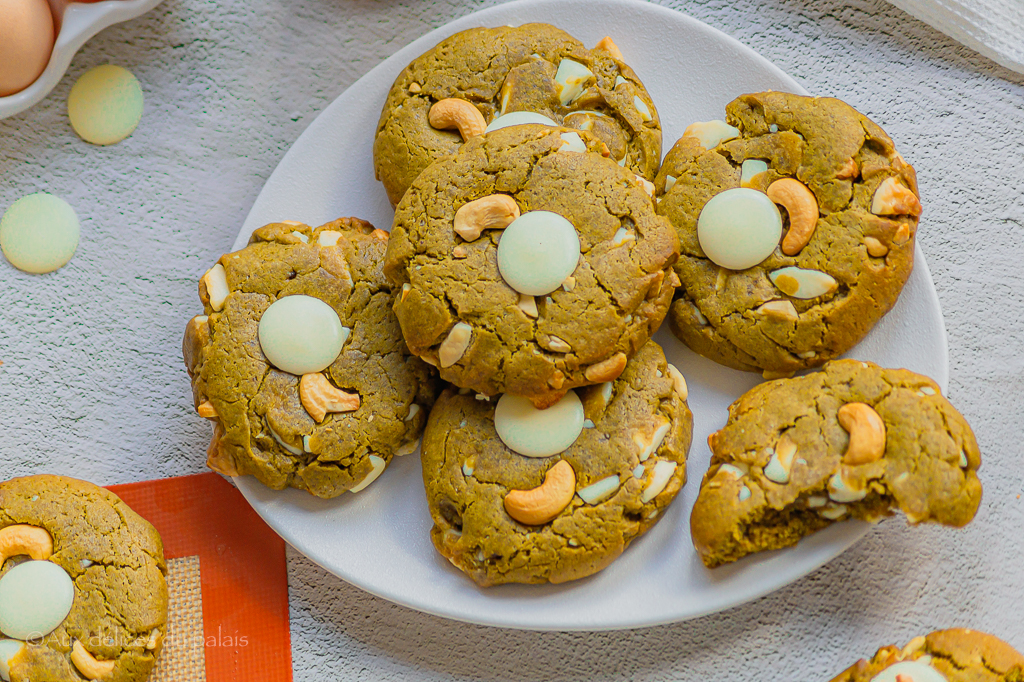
[(994, 28)]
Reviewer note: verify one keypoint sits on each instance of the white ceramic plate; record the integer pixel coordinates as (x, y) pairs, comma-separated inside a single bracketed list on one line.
[(80, 22), (379, 539)]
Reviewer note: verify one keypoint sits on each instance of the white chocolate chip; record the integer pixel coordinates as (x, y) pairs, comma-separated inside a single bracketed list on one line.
[(638, 471), (407, 448), (649, 443), (622, 236), (570, 80), (280, 441), (781, 462), (574, 542), (643, 109), (301, 237), (779, 309), (670, 182), (572, 142), (569, 284), (599, 491), (305, 444), (927, 390), (731, 470), (744, 494), (378, 468), (916, 670), (773, 128), (467, 470), (660, 477), (518, 118), (801, 283), (646, 185), (328, 238), (963, 459), (216, 286), (817, 501), (528, 304), (455, 344), (750, 169), (806, 355), (832, 511), (711, 133), (841, 492), (607, 389), (678, 382), (414, 409), (587, 424), (619, 80)]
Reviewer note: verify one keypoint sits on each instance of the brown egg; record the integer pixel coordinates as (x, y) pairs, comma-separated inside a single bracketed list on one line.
[(26, 41)]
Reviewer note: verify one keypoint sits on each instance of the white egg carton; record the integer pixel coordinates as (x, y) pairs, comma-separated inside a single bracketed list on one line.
[(80, 22)]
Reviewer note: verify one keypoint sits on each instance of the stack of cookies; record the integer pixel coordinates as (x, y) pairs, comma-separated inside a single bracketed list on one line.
[(505, 321)]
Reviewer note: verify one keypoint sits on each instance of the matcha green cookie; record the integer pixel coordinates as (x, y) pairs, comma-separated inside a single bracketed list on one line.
[(483, 73), (955, 655), (851, 441), (501, 517), (843, 202), (299, 360), (497, 291), (82, 584)]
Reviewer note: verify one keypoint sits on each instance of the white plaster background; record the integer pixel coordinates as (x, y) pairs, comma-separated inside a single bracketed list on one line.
[(93, 385)]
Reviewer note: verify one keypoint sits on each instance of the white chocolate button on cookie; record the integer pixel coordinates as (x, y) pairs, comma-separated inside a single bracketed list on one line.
[(913, 670), (35, 598), (570, 79), (518, 118), (9, 648), (39, 233), (739, 228), (538, 250), (105, 104), (301, 334), (538, 433)]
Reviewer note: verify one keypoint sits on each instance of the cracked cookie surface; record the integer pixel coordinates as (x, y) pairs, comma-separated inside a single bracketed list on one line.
[(474, 65), (842, 158), (748, 504), (262, 427), (957, 654), (116, 561), (614, 301), (468, 471)]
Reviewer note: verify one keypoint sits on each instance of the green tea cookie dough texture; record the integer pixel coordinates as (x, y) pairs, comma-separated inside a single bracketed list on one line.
[(458, 313), (115, 560), (622, 471), (531, 68), (851, 441), (850, 211), (955, 655), (324, 431)]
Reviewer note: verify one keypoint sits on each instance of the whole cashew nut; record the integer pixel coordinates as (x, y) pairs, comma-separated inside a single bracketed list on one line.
[(606, 370), (495, 211), (87, 664), (867, 433), (802, 207), (24, 539), (451, 113), (319, 397), (541, 504)]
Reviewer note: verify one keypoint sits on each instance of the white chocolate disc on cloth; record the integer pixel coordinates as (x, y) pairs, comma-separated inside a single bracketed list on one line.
[(739, 228), (537, 251), (39, 233), (301, 334), (538, 433), (518, 118), (105, 104), (35, 598)]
